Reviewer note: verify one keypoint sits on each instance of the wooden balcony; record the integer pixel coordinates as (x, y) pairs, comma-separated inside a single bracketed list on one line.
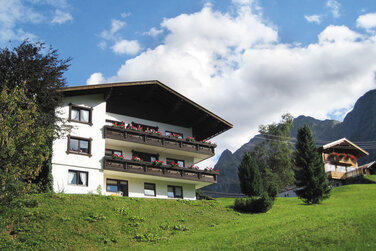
[(147, 168), (344, 175), (339, 160), (141, 137)]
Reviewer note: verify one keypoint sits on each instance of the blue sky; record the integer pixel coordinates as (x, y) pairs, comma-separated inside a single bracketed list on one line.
[(248, 61)]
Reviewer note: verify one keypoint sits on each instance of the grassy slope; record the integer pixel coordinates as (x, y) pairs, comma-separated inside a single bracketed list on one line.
[(345, 221)]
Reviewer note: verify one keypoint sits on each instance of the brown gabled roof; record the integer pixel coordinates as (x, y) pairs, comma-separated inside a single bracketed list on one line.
[(346, 146), (168, 106)]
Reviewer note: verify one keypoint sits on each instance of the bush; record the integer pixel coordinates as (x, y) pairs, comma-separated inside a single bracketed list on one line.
[(254, 204), (201, 196)]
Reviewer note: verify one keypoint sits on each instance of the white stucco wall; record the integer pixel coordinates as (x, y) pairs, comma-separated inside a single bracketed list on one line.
[(136, 187), (60, 176), (62, 161)]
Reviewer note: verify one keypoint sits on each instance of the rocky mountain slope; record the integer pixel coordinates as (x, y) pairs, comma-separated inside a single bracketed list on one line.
[(358, 126)]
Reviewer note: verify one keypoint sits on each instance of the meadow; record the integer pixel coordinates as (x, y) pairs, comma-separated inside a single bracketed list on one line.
[(347, 220)]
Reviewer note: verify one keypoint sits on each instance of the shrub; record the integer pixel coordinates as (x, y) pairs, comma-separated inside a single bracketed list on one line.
[(260, 204)]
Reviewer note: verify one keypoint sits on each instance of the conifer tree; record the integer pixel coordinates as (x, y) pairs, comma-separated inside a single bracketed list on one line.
[(310, 178), (249, 176)]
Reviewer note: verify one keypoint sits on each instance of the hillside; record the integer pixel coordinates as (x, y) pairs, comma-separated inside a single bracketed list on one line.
[(58, 221), (357, 126)]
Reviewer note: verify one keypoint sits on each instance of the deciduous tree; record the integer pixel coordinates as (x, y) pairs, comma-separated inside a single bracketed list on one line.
[(278, 172), (23, 142), (38, 72)]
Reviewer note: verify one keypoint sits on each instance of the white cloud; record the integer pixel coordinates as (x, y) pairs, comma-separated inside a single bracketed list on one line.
[(126, 47), (120, 45), (234, 65), (334, 6), (61, 17), (16, 12), (125, 14), (102, 45), (367, 21), (153, 32), (95, 78), (313, 19), (334, 33), (111, 34)]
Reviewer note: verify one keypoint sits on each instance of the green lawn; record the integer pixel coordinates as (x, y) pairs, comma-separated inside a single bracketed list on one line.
[(345, 221)]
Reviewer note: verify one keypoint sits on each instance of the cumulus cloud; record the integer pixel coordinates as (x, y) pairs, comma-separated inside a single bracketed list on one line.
[(95, 78), (61, 17), (313, 19), (367, 21), (111, 34), (120, 46), (153, 32), (334, 6), (234, 65), (126, 47), (338, 34)]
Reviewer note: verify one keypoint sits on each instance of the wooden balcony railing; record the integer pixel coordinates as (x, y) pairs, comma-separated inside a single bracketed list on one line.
[(141, 137), (345, 175), (334, 160), (149, 168)]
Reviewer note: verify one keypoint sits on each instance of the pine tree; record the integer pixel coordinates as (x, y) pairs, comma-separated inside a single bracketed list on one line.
[(249, 176), (310, 178)]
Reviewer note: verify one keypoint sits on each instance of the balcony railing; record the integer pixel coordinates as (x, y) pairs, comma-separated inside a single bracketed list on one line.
[(338, 160), (149, 168), (141, 137), (345, 175)]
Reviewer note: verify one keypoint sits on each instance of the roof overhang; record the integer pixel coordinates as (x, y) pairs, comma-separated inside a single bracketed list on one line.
[(155, 101), (344, 146)]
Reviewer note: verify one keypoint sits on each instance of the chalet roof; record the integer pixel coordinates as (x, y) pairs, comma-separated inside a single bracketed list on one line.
[(155, 101), (344, 146)]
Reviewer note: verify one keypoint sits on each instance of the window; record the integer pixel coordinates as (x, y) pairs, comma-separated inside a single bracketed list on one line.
[(80, 114), (179, 162), (145, 156), (175, 192), (78, 145), (110, 152), (149, 189), (78, 178), (115, 186), (177, 134), (117, 123)]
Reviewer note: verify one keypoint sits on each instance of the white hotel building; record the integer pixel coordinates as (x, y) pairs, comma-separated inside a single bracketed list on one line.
[(146, 122)]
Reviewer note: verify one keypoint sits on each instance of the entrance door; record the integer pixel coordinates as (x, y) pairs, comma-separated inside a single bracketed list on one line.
[(123, 187)]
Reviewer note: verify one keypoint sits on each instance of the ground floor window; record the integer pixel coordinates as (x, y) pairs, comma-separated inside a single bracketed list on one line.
[(175, 192), (115, 186), (149, 189), (78, 177)]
